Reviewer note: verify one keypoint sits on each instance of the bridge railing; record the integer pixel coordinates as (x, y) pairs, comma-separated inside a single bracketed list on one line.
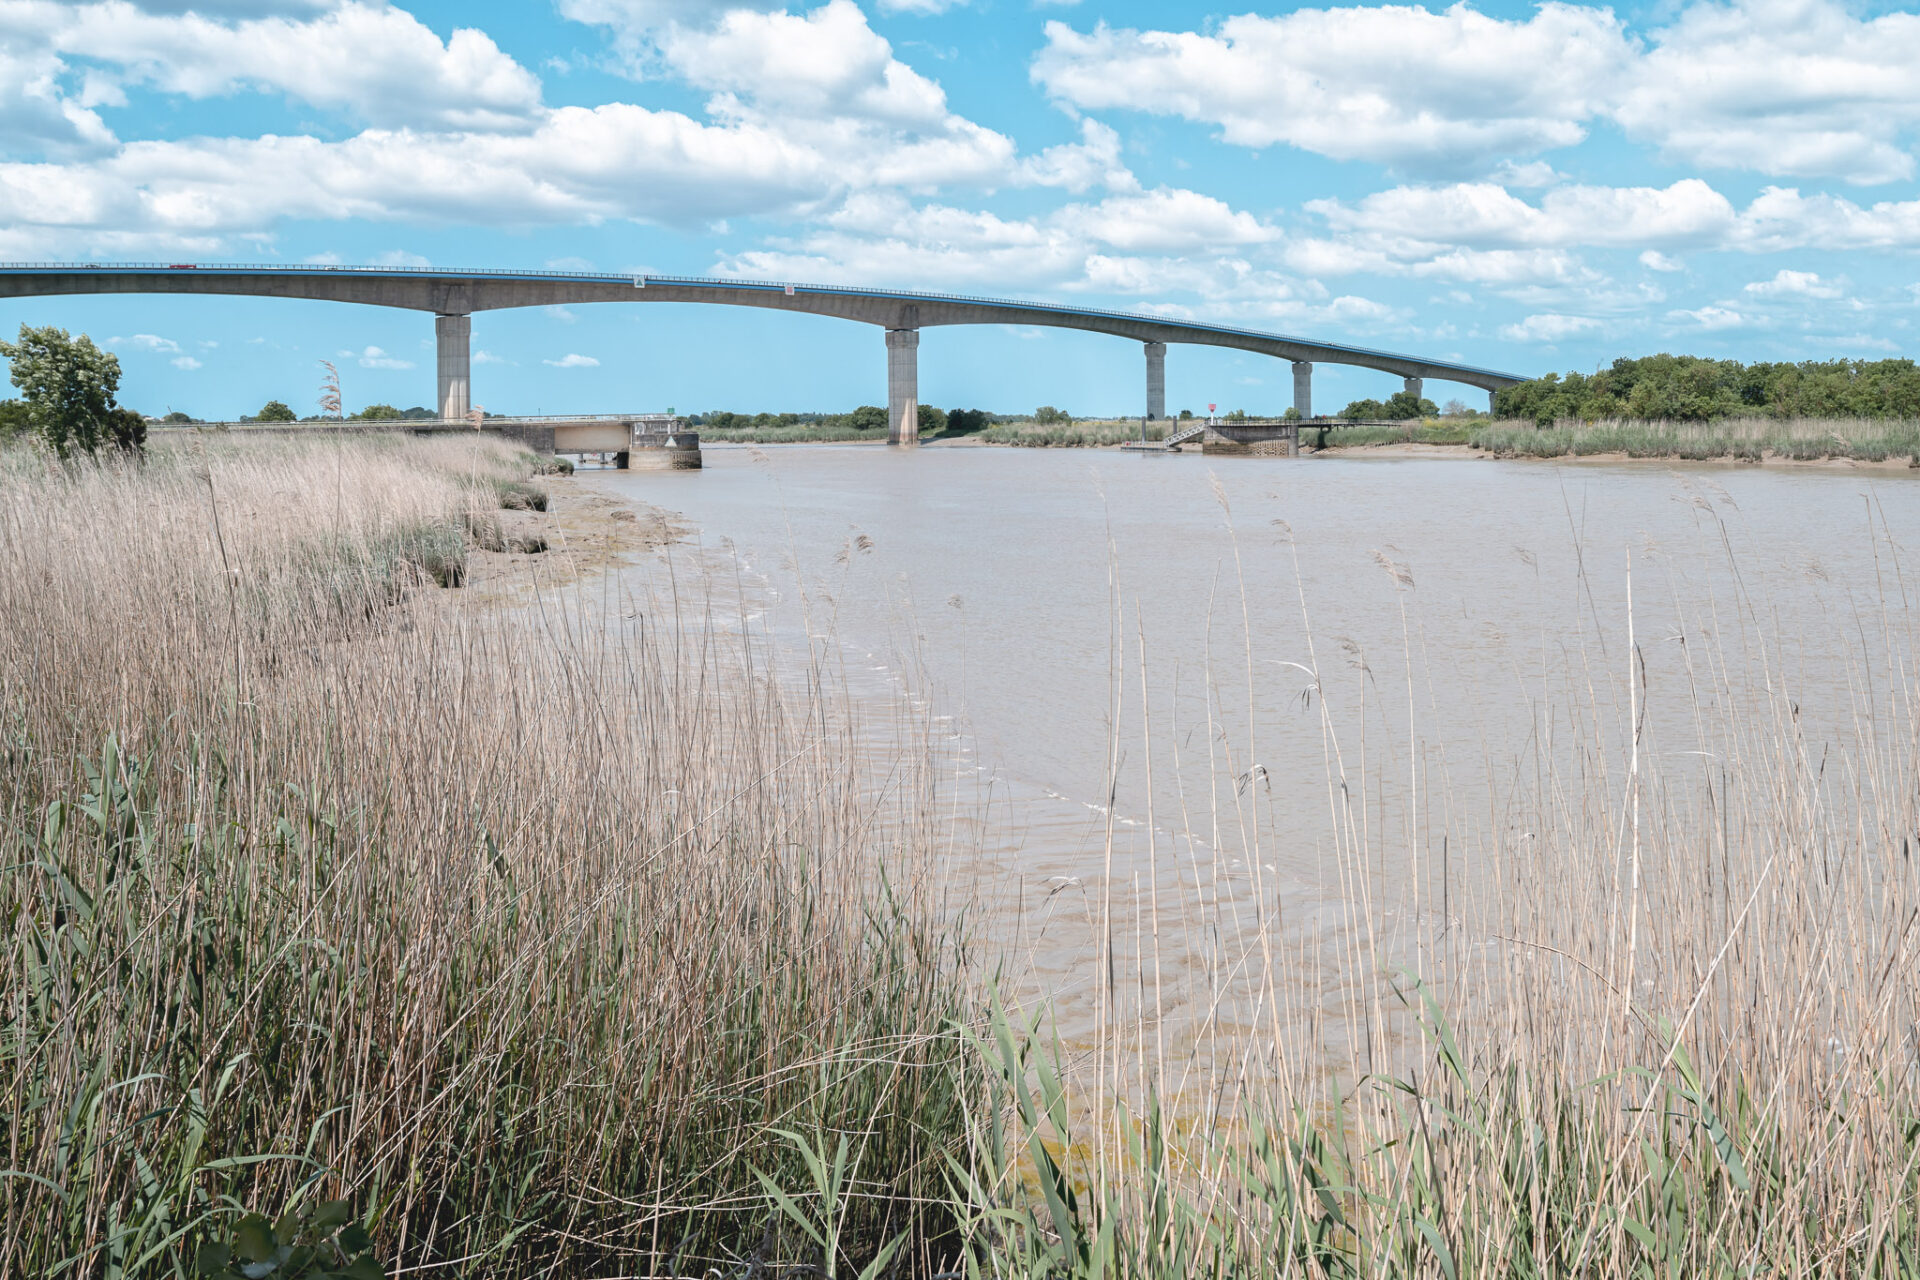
[(642, 279)]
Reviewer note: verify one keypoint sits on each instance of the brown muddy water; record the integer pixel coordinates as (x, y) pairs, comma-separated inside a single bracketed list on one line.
[(1230, 737)]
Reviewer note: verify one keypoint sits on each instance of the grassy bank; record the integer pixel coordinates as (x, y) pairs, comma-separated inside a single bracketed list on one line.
[(1077, 434), (567, 940), (1741, 439)]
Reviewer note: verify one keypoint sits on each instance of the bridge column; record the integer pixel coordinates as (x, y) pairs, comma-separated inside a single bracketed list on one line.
[(1156, 381), (453, 336), (1303, 387), (903, 386), (1414, 386)]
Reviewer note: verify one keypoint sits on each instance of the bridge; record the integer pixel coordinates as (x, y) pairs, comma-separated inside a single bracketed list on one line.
[(453, 297)]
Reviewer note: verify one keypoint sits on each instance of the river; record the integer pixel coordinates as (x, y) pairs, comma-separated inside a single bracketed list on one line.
[(1183, 689)]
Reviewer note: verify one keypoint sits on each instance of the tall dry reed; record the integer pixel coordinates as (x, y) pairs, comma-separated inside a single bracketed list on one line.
[(523, 930)]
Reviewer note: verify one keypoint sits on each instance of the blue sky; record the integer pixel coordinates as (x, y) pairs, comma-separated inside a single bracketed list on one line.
[(1521, 187)]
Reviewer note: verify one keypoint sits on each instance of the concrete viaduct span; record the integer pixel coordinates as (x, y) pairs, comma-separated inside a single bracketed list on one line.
[(453, 297)]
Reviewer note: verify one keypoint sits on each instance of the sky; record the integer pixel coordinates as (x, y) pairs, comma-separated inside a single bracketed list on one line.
[(1527, 188)]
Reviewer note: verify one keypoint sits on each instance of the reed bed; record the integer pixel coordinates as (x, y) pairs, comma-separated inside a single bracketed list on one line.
[(581, 939), (1081, 433), (1743, 439), (521, 931)]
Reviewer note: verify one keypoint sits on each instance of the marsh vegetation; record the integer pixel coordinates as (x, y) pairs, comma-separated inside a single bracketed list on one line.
[(594, 936)]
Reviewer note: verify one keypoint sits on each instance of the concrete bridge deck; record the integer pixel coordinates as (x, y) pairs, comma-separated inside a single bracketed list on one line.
[(453, 297)]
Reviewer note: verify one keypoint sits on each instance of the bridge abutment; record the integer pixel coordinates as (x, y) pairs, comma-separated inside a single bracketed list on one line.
[(1303, 388), (453, 340), (903, 386), (1156, 380)]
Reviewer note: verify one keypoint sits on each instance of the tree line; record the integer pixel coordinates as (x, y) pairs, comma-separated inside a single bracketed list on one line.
[(1697, 389)]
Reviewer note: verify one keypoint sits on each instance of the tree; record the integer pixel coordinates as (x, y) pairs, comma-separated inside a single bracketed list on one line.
[(964, 422), (1403, 406), (868, 417), (178, 418), (67, 385), (379, 413), (1047, 415), (1186, 415), (127, 428), (931, 420), (14, 419), (1364, 410), (274, 411)]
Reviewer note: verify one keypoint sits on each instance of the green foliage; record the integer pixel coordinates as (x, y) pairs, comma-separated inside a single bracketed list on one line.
[(275, 411), (380, 413), (1401, 406), (1186, 415), (14, 418), (868, 417), (966, 422), (317, 1242), (1693, 389), (127, 430), (1234, 415), (68, 386), (1047, 416), (931, 420), (177, 418)]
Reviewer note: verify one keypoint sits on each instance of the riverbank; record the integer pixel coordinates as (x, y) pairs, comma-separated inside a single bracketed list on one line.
[(558, 929)]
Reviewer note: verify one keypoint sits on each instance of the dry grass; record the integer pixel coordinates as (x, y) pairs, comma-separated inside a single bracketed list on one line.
[(1742, 439), (520, 929), (536, 933)]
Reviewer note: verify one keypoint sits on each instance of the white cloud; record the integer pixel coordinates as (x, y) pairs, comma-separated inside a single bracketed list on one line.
[(1480, 213), (1788, 283), (1550, 327), (185, 362), (1430, 92), (573, 360), (375, 358), (1710, 318), (487, 357), (1094, 160), (376, 61), (1654, 260), (1799, 88), (1791, 88), (147, 342)]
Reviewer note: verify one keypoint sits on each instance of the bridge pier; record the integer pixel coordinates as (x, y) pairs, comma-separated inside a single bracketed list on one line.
[(453, 338), (1156, 381), (1303, 388), (903, 386), (1414, 387)]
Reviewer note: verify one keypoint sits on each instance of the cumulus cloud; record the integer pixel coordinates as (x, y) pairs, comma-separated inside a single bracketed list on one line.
[(1654, 260), (373, 60), (1800, 284), (1709, 318), (185, 362), (1789, 88), (573, 360), (1550, 327), (375, 358), (1399, 85), (146, 342)]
